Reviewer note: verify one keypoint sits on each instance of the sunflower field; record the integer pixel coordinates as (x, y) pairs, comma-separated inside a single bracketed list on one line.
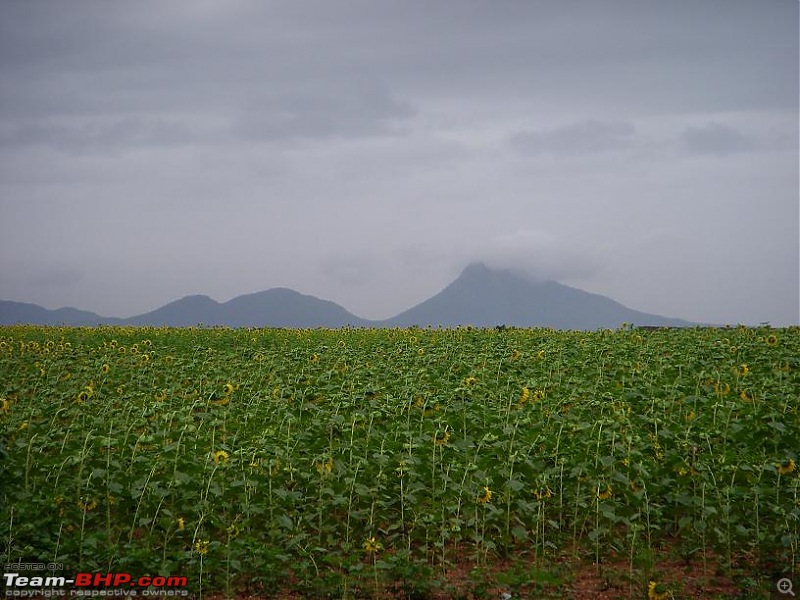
[(377, 463)]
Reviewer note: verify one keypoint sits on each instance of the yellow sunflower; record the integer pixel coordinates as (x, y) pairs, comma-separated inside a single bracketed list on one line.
[(605, 495), (441, 441), (787, 467), (743, 370), (87, 506), (722, 389), (486, 495), (201, 547), (656, 591), (525, 395), (221, 457), (324, 468)]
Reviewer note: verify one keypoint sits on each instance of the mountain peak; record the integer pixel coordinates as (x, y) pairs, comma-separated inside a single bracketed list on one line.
[(481, 296), (481, 272), (475, 268)]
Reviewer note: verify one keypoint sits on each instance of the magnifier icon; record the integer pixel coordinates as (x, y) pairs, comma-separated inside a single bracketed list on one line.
[(785, 586)]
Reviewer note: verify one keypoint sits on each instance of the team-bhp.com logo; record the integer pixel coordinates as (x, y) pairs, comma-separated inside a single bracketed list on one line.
[(92, 585)]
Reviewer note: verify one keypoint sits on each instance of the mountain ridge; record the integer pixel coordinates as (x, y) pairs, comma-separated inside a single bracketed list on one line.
[(479, 296)]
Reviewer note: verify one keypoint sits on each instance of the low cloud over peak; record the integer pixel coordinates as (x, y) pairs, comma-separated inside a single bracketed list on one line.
[(538, 254)]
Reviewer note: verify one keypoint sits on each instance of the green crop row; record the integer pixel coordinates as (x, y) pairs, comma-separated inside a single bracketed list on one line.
[(370, 460)]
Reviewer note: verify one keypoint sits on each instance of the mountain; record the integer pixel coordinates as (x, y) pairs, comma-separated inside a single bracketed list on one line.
[(287, 308), (485, 297), (186, 312), (480, 296), (22, 312), (277, 307)]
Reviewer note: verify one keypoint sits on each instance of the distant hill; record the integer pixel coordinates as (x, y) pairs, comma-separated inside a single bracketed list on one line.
[(486, 297), (480, 296), (22, 312), (277, 307)]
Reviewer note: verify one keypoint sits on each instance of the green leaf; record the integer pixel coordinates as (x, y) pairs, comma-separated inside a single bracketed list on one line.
[(519, 533)]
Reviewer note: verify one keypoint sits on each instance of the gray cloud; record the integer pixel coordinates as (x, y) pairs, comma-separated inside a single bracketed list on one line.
[(357, 110), (352, 270), (365, 151), (542, 255), (98, 135), (579, 138), (717, 139)]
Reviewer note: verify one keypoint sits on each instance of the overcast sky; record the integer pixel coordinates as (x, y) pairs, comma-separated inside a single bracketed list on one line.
[(365, 151)]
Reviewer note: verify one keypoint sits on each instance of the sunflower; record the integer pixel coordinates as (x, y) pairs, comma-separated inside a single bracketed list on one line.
[(543, 493), (325, 468), (441, 441), (87, 506), (787, 467), (538, 395), (656, 591), (743, 395), (220, 456), (470, 381), (5, 405), (606, 494), (523, 397), (722, 389), (201, 547), (83, 396), (772, 340), (743, 370), (105, 369), (181, 523), (228, 389), (486, 495), (371, 545)]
